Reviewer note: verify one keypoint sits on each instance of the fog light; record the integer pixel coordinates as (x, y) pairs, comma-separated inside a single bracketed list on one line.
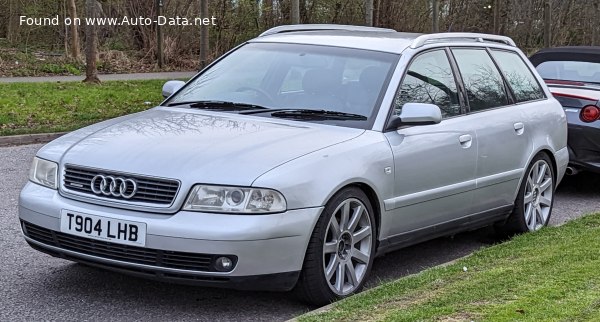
[(224, 264)]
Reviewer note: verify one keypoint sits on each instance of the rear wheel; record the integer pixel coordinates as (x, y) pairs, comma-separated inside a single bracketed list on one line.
[(341, 250), (533, 206)]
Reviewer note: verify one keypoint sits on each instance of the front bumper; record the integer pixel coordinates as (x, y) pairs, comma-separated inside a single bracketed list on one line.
[(267, 247), (584, 146)]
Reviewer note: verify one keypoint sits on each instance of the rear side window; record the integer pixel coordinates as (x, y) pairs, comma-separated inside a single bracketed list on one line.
[(483, 83), (429, 79), (522, 82)]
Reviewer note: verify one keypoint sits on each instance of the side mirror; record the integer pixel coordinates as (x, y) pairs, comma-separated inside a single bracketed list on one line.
[(171, 87), (420, 114), (416, 114)]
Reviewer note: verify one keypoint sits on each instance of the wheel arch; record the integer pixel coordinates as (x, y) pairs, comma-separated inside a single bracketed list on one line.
[(554, 165), (373, 199)]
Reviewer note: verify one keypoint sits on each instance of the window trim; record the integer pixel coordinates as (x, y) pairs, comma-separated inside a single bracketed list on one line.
[(461, 101), (466, 108)]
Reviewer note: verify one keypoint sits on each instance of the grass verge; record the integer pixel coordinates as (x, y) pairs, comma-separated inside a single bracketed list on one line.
[(27, 108), (550, 275)]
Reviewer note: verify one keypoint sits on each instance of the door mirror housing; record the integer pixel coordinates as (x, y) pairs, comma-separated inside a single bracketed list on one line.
[(171, 87), (416, 114)]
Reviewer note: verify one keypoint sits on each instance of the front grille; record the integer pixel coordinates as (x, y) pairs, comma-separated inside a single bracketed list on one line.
[(123, 253), (149, 190)]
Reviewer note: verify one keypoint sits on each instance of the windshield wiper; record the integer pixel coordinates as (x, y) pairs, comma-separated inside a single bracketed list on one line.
[(310, 114), (220, 105)]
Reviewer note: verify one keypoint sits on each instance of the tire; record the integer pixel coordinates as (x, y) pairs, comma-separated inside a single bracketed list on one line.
[(338, 261), (533, 206)]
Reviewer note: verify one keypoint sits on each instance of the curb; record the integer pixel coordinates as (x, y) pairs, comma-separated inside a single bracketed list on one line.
[(29, 139), (328, 307)]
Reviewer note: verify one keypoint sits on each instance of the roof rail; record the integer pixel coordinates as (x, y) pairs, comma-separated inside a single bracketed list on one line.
[(317, 27), (447, 36)]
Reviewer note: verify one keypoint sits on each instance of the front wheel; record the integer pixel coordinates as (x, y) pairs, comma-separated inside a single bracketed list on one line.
[(533, 206), (341, 249)]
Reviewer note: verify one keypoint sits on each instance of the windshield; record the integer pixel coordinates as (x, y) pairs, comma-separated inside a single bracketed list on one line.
[(292, 76), (581, 71)]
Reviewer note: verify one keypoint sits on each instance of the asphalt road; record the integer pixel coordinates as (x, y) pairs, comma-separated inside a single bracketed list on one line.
[(35, 286)]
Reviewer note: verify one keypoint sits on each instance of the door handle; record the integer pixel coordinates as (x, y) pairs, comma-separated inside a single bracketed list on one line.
[(465, 140), (519, 128)]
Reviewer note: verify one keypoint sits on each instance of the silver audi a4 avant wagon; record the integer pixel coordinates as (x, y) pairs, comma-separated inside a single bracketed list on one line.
[(295, 159)]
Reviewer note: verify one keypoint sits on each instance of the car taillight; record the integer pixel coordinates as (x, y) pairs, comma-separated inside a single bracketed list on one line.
[(589, 113)]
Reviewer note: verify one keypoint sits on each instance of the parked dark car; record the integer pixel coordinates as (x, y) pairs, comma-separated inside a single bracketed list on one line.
[(573, 76)]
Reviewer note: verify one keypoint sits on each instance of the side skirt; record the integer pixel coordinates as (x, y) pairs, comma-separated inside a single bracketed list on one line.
[(466, 223)]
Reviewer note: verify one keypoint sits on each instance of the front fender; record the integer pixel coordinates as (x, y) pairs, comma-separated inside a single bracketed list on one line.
[(311, 180)]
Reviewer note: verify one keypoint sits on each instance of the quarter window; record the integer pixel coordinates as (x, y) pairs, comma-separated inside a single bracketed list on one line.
[(429, 79), (522, 82), (483, 83)]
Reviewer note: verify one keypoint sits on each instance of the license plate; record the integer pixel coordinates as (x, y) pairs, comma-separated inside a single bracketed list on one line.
[(103, 228)]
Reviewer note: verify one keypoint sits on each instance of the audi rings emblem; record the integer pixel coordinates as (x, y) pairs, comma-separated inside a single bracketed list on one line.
[(114, 186)]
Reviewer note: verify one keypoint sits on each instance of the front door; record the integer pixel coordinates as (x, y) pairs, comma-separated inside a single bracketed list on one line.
[(434, 165)]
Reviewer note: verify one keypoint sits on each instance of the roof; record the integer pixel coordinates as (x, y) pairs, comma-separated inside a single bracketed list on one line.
[(371, 38), (392, 42), (570, 53)]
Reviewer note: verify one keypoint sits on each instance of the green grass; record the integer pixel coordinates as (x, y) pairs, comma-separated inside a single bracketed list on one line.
[(551, 275), (54, 107)]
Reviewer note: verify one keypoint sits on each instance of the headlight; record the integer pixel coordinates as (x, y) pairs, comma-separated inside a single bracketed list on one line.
[(234, 200), (44, 172)]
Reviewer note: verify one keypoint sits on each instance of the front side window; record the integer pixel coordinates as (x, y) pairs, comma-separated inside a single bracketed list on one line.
[(483, 83), (293, 76), (429, 79), (524, 85)]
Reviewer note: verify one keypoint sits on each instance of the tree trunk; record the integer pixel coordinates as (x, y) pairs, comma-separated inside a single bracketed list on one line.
[(376, 13), (594, 26), (547, 24), (295, 12), (91, 45), (159, 36), (267, 11), (368, 12), (203, 35), (435, 16), (75, 52), (12, 28), (496, 13)]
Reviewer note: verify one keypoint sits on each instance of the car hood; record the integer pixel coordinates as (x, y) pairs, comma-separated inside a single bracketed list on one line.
[(194, 146)]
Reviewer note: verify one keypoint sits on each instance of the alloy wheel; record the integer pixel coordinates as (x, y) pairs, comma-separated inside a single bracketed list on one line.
[(348, 246), (539, 190)]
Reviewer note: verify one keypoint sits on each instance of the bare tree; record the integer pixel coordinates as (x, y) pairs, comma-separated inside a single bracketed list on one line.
[(75, 52), (295, 11), (12, 28), (435, 16), (547, 23), (159, 35), (369, 12), (496, 13), (203, 35), (376, 13), (267, 11), (594, 26), (91, 44)]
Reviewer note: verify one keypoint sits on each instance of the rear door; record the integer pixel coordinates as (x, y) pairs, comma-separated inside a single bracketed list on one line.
[(497, 104)]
